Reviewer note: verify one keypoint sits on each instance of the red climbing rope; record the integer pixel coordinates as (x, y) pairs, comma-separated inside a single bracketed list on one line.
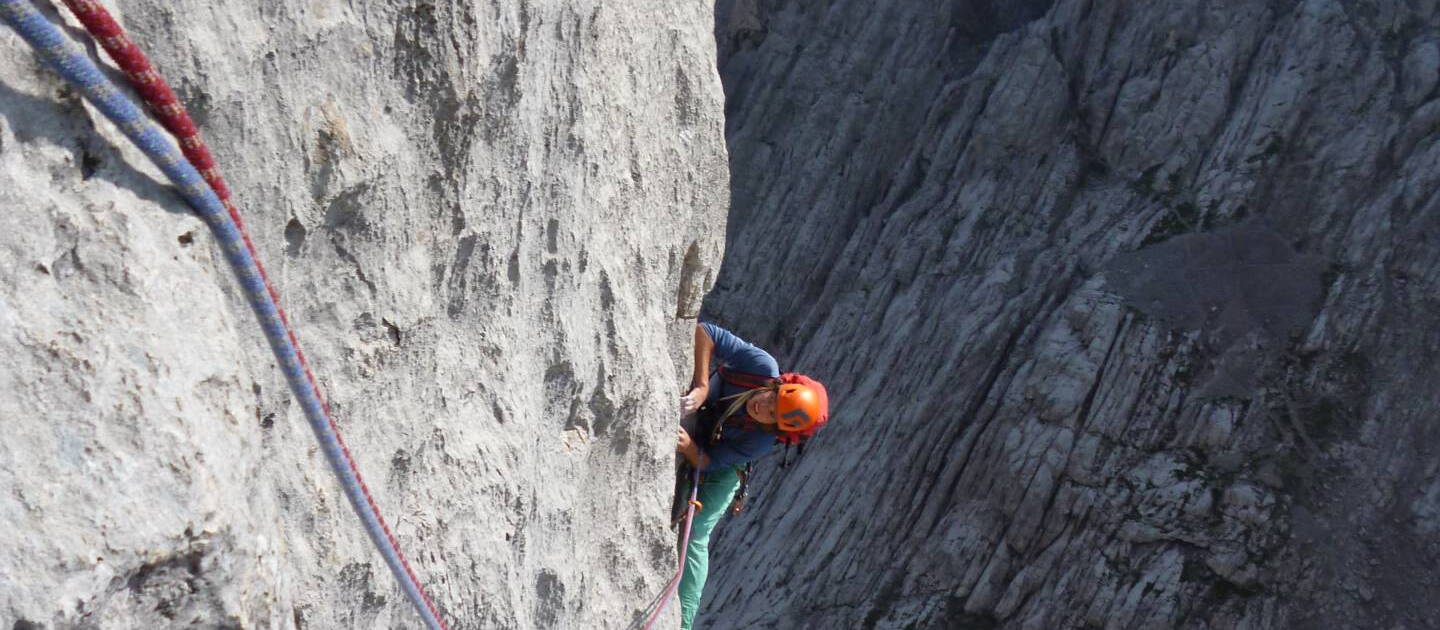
[(166, 106), (674, 583)]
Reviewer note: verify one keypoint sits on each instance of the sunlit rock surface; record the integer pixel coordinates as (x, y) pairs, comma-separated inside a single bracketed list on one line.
[(492, 224)]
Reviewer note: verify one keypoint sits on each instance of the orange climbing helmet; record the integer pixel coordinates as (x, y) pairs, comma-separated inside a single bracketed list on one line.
[(797, 408), (801, 407)]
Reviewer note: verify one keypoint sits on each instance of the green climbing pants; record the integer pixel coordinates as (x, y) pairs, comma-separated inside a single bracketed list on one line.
[(716, 490)]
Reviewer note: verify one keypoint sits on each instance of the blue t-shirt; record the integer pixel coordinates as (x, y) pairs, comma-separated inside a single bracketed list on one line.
[(736, 446)]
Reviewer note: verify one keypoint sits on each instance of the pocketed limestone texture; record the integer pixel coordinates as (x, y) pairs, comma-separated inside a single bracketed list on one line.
[(490, 222)]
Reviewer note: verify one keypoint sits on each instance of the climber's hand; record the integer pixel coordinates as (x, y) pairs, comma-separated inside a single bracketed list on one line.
[(692, 401), (688, 449)]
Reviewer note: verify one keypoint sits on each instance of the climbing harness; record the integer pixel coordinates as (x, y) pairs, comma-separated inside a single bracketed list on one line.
[(77, 68)]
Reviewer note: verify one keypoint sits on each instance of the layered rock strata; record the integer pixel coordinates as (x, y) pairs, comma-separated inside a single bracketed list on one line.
[(1126, 311)]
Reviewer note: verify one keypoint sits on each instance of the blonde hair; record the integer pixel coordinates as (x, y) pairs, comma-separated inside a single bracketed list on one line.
[(744, 397)]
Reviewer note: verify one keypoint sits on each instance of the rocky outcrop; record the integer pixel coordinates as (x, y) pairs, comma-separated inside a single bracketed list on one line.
[(1126, 309), (491, 223)]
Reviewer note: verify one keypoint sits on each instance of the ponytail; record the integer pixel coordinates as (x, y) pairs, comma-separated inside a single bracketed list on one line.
[(739, 400)]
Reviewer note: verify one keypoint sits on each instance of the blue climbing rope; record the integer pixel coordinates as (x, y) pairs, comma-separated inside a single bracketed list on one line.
[(77, 68)]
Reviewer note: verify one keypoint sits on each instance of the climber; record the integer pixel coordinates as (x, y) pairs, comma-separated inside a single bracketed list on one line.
[(738, 417)]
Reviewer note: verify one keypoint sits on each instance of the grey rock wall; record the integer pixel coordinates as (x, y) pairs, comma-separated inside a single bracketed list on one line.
[(1127, 312), (491, 222)]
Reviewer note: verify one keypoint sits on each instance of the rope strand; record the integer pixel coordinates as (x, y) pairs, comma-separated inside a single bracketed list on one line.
[(66, 59), (674, 583)]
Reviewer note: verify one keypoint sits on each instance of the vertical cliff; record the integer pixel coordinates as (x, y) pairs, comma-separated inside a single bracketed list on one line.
[(490, 223), (1126, 309)]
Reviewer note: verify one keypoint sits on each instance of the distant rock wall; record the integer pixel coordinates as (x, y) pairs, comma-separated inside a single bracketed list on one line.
[(1128, 312), (492, 224)]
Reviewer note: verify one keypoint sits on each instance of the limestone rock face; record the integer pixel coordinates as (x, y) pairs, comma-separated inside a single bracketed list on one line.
[(1127, 312), (492, 224)]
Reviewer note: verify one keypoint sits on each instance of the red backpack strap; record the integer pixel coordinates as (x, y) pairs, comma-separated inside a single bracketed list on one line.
[(744, 379)]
